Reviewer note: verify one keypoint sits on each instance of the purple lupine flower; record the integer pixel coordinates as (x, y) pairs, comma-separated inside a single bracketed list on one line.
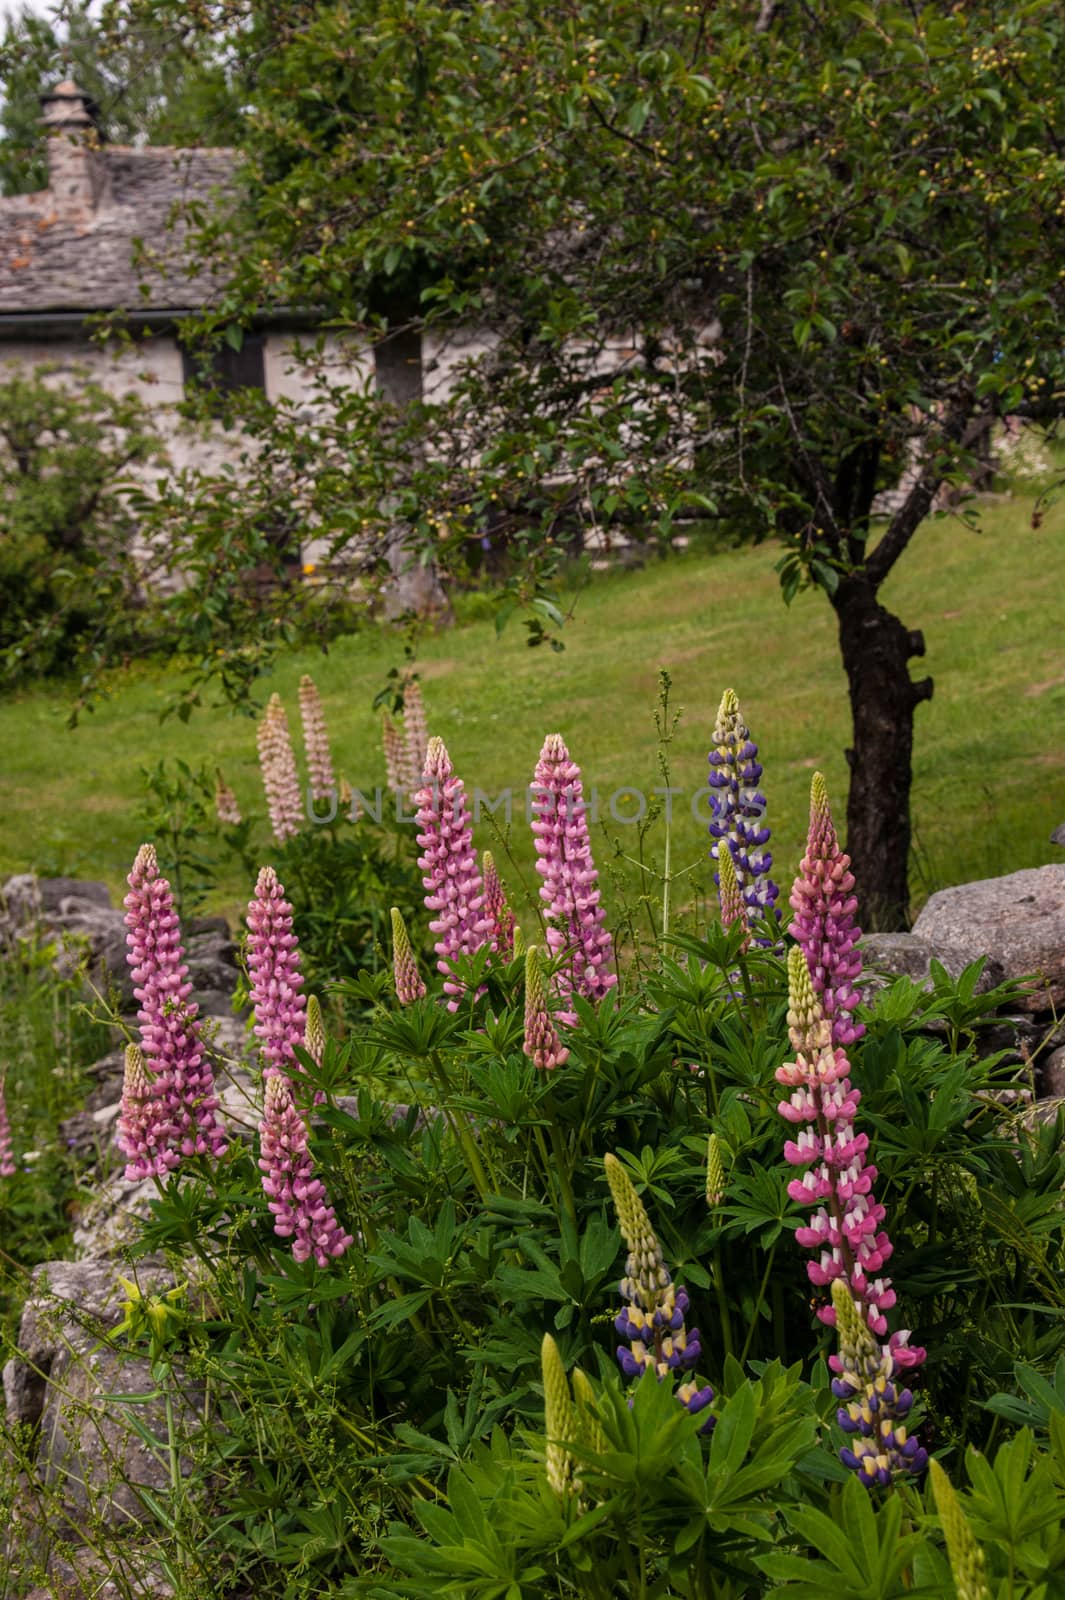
[(575, 920), (541, 1043), (410, 985), (824, 903), (496, 908), (170, 1036), (875, 1405), (453, 888), (738, 807), (845, 1230), (7, 1155), (652, 1322), (278, 765), (144, 1130), (323, 781), (276, 979), (297, 1197)]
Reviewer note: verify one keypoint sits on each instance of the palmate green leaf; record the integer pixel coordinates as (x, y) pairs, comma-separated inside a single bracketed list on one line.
[(864, 1551)]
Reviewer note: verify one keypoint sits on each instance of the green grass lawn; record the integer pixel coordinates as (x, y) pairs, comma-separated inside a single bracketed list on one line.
[(990, 751)]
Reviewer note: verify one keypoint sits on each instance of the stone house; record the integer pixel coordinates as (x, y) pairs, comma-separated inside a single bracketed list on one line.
[(112, 236)]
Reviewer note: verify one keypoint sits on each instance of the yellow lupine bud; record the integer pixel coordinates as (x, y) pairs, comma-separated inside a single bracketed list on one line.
[(715, 1171), (314, 1034), (560, 1419), (966, 1557)]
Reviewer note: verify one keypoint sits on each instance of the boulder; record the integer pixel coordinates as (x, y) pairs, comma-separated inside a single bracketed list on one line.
[(896, 955), (1053, 1075), (1018, 920), (90, 1454)]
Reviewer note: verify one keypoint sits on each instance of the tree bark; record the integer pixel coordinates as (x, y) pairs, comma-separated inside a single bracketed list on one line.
[(876, 648)]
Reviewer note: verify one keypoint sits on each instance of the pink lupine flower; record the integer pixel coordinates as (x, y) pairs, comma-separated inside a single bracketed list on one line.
[(170, 1036), (7, 1157), (316, 741), (225, 804), (824, 903), (144, 1129), (395, 749), (297, 1198), (415, 731), (542, 1044), (496, 909), (274, 969), (570, 890), (280, 779), (844, 1231), (409, 983), (453, 888)]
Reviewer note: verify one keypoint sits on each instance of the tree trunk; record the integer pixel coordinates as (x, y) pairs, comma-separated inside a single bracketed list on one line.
[(876, 648)]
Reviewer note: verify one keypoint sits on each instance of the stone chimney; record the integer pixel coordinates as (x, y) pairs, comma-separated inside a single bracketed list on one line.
[(78, 179)]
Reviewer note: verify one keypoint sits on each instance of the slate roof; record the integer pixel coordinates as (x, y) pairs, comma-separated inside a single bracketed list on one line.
[(130, 252)]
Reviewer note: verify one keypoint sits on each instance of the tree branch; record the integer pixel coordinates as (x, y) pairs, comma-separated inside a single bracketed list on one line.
[(959, 427)]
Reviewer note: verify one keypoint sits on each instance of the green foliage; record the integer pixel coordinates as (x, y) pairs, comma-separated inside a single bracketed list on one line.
[(858, 262), (377, 1428), (154, 84), (49, 1040), (342, 879), (66, 446)]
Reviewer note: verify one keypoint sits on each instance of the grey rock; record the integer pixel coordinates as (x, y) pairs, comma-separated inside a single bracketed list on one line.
[(895, 955), (125, 1571), (1019, 920), (112, 1219), (1053, 1075), (69, 1306), (89, 1451), (1058, 836)]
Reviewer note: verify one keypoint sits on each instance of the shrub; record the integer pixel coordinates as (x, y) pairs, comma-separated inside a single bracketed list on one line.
[(66, 566)]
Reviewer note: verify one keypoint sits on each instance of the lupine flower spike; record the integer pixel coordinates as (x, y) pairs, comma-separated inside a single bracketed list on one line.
[(715, 1172), (453, 888), (824, 903), (276, 980), (170, 1037), (314, 1033), (966, 1558), (560, 1420), (739, 807), (144, 1131), (652, 1323), (408, 980), (570, 890), (395, 755), (7, 1156), (845, 1231), (496, 909), (316, 741), (542, 1044), (875, 1407), (225, 804), (297, 1198), (278, 765), (519, 943), (733, 908), (415, 733)]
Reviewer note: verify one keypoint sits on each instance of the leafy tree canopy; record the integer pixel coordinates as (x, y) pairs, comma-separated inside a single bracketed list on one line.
[(157, 83), (735, 260)]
